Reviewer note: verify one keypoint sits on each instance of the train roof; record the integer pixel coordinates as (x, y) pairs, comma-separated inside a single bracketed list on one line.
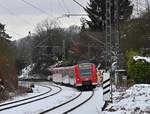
[(83, 61), (63, 68)]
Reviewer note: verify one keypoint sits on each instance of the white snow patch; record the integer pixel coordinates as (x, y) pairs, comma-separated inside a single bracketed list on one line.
[(136, 58), (26, 71), (134, 100)]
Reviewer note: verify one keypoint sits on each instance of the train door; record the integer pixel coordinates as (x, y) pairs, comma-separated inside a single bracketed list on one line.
[(64, 76), (72, 77)]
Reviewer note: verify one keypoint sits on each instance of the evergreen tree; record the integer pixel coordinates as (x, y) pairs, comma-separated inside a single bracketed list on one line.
[(96, 10), (3, 34)]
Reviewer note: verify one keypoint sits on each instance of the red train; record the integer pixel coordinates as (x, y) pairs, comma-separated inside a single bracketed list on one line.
[(80, 75)]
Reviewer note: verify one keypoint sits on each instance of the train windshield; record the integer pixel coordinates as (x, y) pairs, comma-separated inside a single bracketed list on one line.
[(85, 70)]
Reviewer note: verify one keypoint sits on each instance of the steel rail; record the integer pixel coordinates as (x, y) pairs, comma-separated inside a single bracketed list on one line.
[(70, 110), (55, 107), (51, 109), (28, 97), (60, 89)]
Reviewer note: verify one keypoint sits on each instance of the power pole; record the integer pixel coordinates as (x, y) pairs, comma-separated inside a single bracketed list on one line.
[(137, 8), (148, 5), (89, 50), (30, 54), (63, 51), (108, 34), (108, 48), (29, 36), (117, 34)]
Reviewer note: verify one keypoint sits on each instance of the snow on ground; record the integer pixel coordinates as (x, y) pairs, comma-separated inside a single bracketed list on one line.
[(38, 106), (94, 105), (91, 107), (36, 91), (135, 100)]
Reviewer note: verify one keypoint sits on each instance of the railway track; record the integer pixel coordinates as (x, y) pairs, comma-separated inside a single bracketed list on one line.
[(30, 99), (27, 98), (70, 110), (71, 104)]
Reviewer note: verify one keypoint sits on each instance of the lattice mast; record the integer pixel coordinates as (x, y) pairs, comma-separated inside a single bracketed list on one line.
[(108, 34), (117, 34)]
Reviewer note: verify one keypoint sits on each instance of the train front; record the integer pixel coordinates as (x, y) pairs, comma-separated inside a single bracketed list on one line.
[(86, 75)]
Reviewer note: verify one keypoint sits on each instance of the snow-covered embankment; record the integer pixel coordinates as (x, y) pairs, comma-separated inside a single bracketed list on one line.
[(135, 100)]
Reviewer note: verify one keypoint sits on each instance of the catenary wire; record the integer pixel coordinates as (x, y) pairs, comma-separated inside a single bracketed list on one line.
[(35, 7)]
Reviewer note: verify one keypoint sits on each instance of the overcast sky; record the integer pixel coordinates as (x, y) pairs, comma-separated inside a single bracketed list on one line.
[(20, 17)]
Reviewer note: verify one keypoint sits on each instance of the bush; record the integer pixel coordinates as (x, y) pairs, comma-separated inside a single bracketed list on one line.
[(139, 71)]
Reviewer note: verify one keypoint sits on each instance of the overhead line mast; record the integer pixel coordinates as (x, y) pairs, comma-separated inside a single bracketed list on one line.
[(108, 46), (148, 5), (117, 33)]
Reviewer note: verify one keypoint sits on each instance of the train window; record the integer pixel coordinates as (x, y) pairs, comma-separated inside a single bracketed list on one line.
[(85, 73), (85, 70)]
